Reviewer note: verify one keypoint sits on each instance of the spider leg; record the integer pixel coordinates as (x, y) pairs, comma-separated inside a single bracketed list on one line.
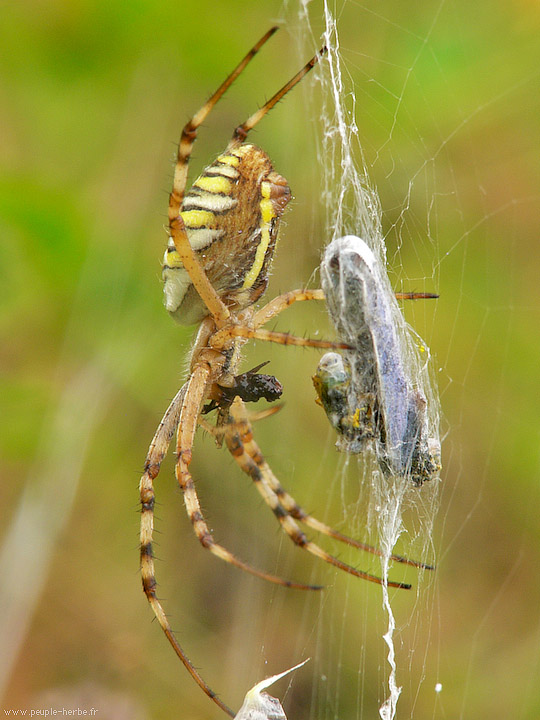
[(156, 453), (182, 403), (241, 131), (177, 228), (415, 296), (280, 303), (220, 338), (189, 417), (198, 277), (267, 412), (253, 417), (189, 132), (296, 511), (249, 457)]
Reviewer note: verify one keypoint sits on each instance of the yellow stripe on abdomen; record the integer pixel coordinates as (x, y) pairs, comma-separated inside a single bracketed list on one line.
[(232, 160), (214, 184), (267, 215), (197, 218)]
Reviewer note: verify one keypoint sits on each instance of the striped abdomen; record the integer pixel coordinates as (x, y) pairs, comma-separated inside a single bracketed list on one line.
[(231, 215)]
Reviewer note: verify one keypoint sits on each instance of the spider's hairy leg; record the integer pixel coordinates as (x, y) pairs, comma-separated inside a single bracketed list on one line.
[(415, 296), (197, 275), (280, 303), (196, 392), (186, 253), (156, 453), (241, 131), (247, 454), (189, 132), (253, 417), (296, 511), (220, 338)]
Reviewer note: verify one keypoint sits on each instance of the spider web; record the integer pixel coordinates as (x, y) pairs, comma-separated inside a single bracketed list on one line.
[(395, 669), (353, 208)]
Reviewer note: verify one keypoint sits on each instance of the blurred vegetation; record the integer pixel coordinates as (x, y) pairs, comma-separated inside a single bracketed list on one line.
[(92, 98)]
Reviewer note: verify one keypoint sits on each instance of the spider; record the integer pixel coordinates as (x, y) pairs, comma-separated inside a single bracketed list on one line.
[(222, 236)]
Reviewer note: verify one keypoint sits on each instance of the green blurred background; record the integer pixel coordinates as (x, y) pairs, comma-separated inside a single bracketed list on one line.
[(92, 99)]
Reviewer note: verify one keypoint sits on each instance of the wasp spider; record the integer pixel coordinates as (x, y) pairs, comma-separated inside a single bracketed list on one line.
[(222, 236)]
